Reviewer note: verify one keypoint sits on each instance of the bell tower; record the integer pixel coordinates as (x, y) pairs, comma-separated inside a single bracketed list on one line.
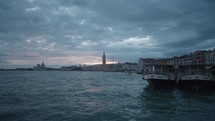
[(103, 59)]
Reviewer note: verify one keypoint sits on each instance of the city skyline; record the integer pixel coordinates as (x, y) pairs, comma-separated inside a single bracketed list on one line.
[(61, 32)]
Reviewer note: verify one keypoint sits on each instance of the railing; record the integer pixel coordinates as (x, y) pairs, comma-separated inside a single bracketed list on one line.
[(194, 73), (158, 72)]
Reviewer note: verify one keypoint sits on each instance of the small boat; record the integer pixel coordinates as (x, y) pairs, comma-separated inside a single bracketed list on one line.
[(195, 76), (160, 75)]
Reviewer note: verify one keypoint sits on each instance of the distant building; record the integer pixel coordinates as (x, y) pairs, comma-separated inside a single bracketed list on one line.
[(40, 67), (115, 67), (71, 68), (103, 59), (130, 67)]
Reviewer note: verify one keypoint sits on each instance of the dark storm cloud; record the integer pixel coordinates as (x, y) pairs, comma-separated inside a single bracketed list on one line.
[(126, 29)]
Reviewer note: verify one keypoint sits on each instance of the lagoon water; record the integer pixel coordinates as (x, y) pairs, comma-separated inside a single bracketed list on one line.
[(96, 96)]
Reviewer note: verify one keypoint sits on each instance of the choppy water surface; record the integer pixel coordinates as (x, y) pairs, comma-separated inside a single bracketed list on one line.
[(96, 96)]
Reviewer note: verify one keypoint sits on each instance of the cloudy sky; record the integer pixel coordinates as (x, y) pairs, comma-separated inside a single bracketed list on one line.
[(68, 32)]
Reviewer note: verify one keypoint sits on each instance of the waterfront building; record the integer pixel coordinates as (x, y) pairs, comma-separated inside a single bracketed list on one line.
[(188, 59), (182, 60), (145, 61), (199, 57), (210, 57)]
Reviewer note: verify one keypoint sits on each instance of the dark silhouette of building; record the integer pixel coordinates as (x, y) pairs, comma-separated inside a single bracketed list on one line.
[(40, 67), (103, 59)]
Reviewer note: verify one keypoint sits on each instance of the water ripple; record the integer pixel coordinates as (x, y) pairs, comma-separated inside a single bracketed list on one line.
[(102, 96)]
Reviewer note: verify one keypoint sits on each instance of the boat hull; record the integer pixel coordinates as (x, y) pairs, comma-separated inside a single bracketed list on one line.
[(159, 83), (196, 81), (196, 84), (159, 80)]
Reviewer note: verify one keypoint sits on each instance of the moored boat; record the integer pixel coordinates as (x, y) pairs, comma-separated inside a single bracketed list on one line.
[(195, 76), (160, 75)]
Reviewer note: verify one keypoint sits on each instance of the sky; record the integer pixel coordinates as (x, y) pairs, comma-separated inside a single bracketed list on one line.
[(70, 32)]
